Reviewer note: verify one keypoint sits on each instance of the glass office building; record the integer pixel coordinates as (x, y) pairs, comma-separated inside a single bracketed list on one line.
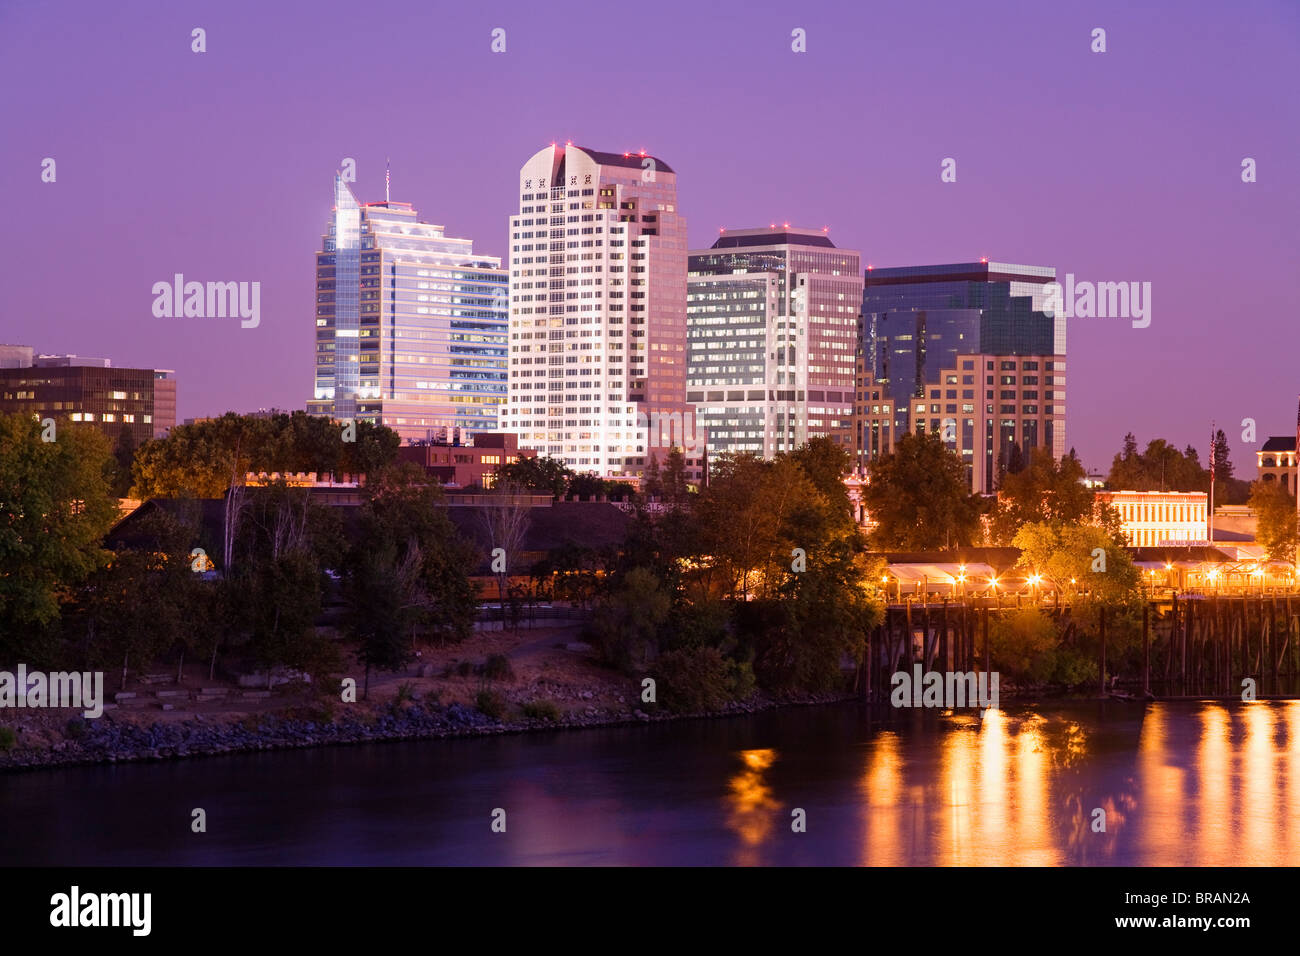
[(918, 322), (410, 324), (772, 318), (597, 308)]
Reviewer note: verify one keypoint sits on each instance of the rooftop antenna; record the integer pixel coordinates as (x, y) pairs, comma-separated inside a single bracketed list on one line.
[(388, 178)]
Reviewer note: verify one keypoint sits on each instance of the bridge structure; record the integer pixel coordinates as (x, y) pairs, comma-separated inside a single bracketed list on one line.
[(1195, 643)]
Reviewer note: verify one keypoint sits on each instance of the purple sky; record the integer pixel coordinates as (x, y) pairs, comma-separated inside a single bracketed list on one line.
[(1117, 166)]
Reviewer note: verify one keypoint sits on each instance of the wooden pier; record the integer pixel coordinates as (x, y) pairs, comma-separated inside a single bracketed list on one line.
[(1193, 645)]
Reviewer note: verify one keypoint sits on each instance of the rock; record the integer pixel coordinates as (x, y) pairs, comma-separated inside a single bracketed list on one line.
[(641, 715), (577, 646), (166, 706), (123, 695), (426, 670)]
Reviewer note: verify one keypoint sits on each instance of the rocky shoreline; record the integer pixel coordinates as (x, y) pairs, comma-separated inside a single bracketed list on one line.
[(111, 741)]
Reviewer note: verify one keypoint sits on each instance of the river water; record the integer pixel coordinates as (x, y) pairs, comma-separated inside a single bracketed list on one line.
[(1201, 784)]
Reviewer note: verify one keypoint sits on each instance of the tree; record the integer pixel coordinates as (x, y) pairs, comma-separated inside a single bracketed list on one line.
[(279, 580), (1047, 490), (585, 485), (123, 456), (626, 625), (55, 507), (542, 473), (826, 463), (406, 572), (1161, 467), (1220, 463), (919, 498), (1278, 527), (138, 606), (505, 518), (1081, 557)]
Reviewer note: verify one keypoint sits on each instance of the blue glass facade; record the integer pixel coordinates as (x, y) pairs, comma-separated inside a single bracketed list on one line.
[(916, 320), (411, 325)]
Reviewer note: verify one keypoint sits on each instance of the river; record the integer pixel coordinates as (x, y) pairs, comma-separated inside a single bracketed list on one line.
[(1200, 784)]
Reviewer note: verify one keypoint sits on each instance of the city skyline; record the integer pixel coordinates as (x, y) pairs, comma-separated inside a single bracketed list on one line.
[(1115, 166)]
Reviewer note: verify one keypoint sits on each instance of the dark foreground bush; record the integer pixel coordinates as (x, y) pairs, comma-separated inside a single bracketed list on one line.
[(541, 710), (693, 679), (497, 667), (492, 704)]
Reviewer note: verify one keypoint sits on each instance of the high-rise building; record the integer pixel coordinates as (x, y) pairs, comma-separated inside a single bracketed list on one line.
[(918, 325), (597, 308), (141, 401), (410, 324), (772, 328)]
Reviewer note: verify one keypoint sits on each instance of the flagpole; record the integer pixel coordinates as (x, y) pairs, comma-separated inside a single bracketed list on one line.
[(1210, 516)]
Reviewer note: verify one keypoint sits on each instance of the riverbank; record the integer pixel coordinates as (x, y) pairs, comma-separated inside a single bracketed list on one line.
[(111, 739)]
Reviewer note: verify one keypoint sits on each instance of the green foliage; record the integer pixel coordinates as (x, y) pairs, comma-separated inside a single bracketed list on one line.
[(693, 680), (1028, 647), (405, 693), (541, 710), (825, 464), (1066, 553), (542, 473), (123, 457), (920, 499), (800, 639), (202, 460), (1046, 491), (55, 507), (492, 704), (1161, 467), (141, 605), (405, 575), (8, 739), (1278, 526), (625, 627)]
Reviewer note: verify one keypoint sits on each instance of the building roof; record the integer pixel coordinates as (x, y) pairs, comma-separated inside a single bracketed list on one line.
[(587, 524), (983, 271), (743, 238), (590, 524), (627, 160), (1279, 443)]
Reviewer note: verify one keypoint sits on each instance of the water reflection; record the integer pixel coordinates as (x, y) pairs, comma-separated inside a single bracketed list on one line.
[(753, 811), (1188, 783), (1207, 784)]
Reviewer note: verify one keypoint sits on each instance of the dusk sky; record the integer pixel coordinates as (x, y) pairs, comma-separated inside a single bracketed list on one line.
[(1115, 166)]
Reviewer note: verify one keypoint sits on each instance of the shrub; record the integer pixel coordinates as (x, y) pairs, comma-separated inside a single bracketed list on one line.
[(1023, 645), (693, 679), (76, 728), (541, 710), (8, 739), (497, 667), (405, 693), (491, 703), (464, 668)]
